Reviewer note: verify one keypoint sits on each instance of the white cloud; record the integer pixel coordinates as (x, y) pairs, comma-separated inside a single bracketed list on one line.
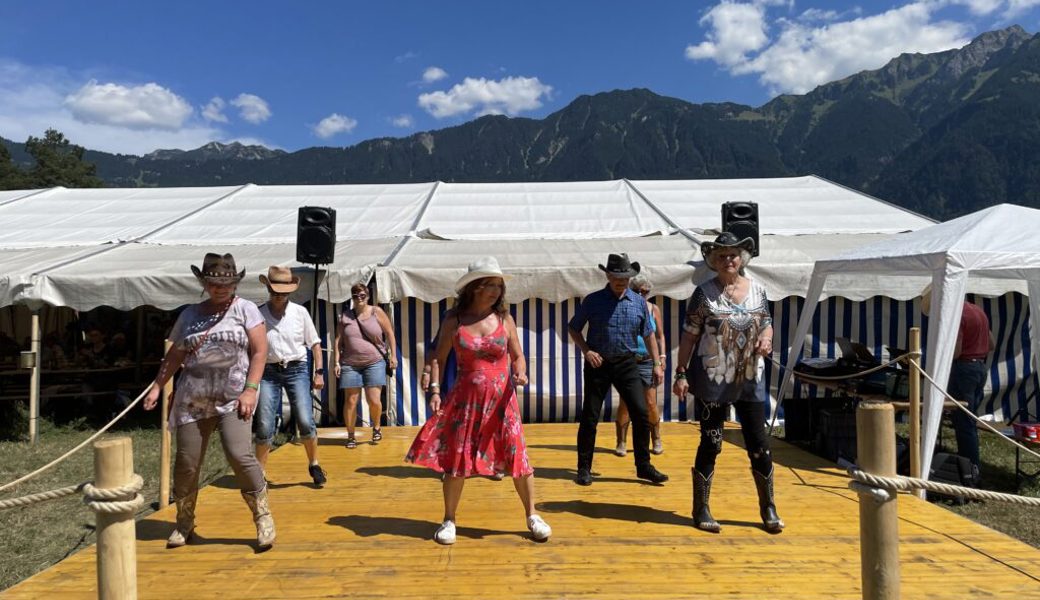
[(802, 56), (403, 121), (252, 108), (1017, 7), (510, 96), (214, 110), (432, 74), (407, 56), (148, 106), (33, 99), (334, 124), (980, 7)]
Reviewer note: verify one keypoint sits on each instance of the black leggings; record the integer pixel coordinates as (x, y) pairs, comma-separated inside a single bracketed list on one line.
[(752, 417)]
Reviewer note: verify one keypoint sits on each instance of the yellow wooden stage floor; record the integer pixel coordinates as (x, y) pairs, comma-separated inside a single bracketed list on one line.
[(367, 534)]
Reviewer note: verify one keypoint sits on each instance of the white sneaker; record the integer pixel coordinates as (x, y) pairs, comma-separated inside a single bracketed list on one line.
[(540, 530), (445, 533), (620, 450)]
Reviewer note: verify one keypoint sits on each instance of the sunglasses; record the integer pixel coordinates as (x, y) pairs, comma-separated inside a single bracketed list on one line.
[(642, 292), (728, 256), (359, 295)]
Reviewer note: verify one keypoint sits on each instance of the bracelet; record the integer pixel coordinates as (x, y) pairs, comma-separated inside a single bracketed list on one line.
[(680, 376), (434, 385), (253, 386), (432, 392)]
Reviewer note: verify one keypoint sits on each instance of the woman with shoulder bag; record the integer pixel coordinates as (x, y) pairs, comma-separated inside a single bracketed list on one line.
[(364, 357)]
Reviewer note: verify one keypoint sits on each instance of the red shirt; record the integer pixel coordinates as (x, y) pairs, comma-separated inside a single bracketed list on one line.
[(974, 333)]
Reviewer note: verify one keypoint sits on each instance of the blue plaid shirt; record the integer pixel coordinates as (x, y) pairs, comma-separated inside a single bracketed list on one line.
[(615, 324)]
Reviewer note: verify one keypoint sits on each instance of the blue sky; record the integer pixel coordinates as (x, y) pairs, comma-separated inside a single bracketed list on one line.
[(132, 77)]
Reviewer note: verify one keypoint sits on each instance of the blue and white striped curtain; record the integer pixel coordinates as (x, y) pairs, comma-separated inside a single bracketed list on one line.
[(554, 365)]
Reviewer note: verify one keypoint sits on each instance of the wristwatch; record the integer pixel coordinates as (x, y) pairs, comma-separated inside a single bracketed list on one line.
[(319, 371)]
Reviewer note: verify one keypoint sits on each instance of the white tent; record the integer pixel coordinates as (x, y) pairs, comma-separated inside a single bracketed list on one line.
[(999, 244)]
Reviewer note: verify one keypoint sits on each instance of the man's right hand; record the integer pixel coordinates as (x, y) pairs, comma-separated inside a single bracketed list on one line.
[(680, 388), (594, 359), (152, 398)]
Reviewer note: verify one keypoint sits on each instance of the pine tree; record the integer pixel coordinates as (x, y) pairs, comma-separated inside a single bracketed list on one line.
[(59, 163)]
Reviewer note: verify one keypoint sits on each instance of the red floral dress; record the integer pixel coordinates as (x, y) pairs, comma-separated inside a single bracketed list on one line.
[(478, 431)]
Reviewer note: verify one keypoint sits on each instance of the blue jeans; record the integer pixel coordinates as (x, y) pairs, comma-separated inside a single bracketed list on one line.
[(295, 379), (967, 378)]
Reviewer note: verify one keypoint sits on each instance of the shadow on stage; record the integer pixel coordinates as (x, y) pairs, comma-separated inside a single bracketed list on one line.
[(367, 526)]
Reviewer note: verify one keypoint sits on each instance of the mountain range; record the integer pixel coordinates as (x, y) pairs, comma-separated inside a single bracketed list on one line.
[(942, 134)]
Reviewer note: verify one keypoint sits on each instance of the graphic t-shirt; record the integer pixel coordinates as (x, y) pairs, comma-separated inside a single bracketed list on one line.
[(215, 368)]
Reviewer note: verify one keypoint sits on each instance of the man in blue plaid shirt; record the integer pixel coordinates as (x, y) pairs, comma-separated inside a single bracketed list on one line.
[(616, 317)]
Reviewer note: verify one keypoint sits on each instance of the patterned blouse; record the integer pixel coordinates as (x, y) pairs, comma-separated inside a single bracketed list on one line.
[(725, 367)]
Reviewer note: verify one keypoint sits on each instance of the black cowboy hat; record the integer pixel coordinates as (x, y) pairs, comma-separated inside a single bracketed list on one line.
[(218, 269), (726, 239), (619, 266)]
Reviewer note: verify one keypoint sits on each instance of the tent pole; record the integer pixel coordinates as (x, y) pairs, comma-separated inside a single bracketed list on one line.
[(34, 379), (915, 407)]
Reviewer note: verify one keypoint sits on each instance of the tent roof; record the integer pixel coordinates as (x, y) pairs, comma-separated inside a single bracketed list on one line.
[(125, 247)]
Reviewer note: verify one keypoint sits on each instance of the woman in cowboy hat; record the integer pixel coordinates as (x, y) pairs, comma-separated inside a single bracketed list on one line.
[(476, 429), (221, 345), (290, 334), (363, 356), (728, 323)]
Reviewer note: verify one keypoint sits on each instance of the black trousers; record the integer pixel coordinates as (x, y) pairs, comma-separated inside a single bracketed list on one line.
[(752, 417), (623, 374)]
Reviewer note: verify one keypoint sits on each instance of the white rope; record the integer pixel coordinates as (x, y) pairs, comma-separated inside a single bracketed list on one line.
[(80, 446), (906, 484), (115, 500), (969, 412), (41, 496)]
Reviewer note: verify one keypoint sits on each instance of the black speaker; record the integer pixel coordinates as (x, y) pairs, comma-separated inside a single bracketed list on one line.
[(741, 219), (316, 235)]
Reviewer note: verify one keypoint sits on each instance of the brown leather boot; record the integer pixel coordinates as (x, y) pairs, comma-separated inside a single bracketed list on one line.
[(257, 502), (622, 435), (185, 526)]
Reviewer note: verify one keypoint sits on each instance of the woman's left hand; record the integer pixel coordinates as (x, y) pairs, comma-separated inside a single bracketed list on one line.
[(764, 346), (520, 379), (247, 404), (393, 362)]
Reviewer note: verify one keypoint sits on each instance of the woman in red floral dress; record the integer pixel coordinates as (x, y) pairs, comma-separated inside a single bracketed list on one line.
[(477, 430)]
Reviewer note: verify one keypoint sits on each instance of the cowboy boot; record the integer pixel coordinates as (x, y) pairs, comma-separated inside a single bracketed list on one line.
[(767, 509), (257, 502), (182, 531), (655, 437), (702, 518), (622, 433)]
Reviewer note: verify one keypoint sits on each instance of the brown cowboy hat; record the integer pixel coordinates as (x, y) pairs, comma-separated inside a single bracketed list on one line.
[(280, 280), (218, 269), (618, 265)]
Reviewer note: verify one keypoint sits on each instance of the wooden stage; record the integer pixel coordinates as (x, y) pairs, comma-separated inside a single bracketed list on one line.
[(367, 534)]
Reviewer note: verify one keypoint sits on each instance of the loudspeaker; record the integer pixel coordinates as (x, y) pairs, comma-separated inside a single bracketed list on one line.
[(741, 219), (316, 235)]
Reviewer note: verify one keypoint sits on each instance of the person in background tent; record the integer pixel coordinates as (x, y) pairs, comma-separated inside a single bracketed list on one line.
[(365, 346), (476, 429), (290, 334), (968, 372), (221, 343), (617, 317), (94, 353), (727, 331), (641, 285)]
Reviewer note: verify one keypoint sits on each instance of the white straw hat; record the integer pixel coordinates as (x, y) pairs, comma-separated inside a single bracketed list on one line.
[(482, 267)]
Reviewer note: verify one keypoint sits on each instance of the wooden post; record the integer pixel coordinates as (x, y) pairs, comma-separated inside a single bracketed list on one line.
[(116, 532), (164, 438), (878, 521), (34, 379), (914, 387)]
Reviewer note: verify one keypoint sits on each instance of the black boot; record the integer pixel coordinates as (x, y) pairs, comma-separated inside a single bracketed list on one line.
[(767, 509), (702, 518)]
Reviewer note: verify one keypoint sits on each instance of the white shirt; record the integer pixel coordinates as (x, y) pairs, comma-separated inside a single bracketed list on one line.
[(290, 337)]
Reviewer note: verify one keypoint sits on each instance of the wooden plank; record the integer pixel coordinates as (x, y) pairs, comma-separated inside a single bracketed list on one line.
[(367, 534)]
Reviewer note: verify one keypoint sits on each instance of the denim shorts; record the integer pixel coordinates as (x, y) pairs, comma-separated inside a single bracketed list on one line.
[(646, 372), (374, 375)]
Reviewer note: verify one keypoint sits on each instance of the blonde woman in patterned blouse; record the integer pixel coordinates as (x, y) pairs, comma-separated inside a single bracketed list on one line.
[(727, 331)]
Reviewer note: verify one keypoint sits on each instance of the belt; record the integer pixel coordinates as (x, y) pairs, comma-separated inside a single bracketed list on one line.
[(969, 360), (621, 357), (284, 364)]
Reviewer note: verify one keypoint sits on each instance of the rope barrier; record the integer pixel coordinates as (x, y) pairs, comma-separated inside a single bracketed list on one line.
[(969, 412), (115, 500), (852, 375), (868, 483), (58, 460), (41, 496)]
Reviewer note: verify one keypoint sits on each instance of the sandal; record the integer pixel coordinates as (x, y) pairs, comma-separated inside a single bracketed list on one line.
[(377, 435), (351, 443)]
